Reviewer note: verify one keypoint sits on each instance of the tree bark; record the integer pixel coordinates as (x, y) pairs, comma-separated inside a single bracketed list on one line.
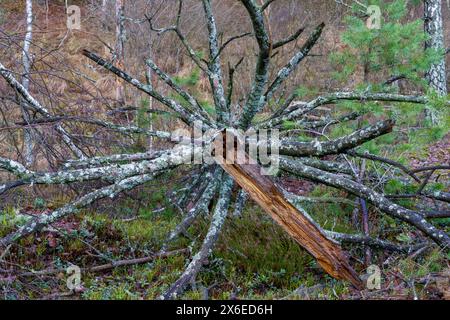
[(119, 49), (26, 61), (264, 192), (436, 75)]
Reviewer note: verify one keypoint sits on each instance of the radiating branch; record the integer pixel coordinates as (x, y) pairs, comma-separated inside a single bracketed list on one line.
[(362, 240), (186, 95), (43, 220), (292, 65), (202, 205), (217, 222), (101, 123), (316, 148), (33, 103), (378, 200), (114, 172), (231, 72), (214, 66), (254, 102), (186, 115), (331, 98)]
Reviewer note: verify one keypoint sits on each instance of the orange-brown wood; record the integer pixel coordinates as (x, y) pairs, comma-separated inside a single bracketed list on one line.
[(264, 192)]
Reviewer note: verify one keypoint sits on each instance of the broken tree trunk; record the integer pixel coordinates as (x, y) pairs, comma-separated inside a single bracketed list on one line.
[(264, 192)]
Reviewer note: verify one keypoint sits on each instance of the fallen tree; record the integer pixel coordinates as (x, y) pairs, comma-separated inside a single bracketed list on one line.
[(216, 181)]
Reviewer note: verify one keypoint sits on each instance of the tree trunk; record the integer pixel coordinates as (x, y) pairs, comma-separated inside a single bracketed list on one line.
[(119, 49), (436, 75), (263, 191), (26, 61), (150, 105)]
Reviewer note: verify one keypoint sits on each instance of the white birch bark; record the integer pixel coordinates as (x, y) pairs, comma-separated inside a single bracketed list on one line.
[(26, 61), (436, 75), (119, 49)]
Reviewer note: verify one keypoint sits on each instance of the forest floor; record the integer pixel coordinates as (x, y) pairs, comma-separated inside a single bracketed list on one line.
[(254, 259)]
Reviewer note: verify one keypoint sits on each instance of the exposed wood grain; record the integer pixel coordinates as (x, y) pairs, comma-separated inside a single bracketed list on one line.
[(264, 192)]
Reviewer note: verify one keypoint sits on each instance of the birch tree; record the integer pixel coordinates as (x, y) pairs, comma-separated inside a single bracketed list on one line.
[(211, 188), (119, 52), (26, 61), (436, 75)]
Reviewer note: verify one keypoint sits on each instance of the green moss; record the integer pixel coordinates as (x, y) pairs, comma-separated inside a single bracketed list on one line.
[(435, 261), (10, 219), (289, 125), (144, 231)]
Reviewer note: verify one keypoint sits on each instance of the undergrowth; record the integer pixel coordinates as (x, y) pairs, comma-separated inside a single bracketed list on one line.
[(254, 259)]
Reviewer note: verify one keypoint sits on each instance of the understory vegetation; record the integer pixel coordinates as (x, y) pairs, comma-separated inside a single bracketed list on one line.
[(89, 176), (254, 258)]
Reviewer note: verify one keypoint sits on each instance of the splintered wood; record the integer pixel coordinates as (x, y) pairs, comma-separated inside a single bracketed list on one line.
[(264, 192)]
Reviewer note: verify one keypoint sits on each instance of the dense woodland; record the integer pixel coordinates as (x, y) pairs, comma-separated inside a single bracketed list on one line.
[(101, 104)]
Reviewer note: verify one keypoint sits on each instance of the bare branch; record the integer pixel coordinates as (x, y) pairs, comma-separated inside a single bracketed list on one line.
[(231, 71), (431, 168), (226, 43), (293, 37), (32, 102), (374, 242), (292, 65), (378, 200), (217, 222), (367, 155), (201, 205), (330, 166), (115, 172), (331, 98), (187, 96), (176, 28), (215, 74), (437, 195), (97, 161), (108, 266), (186, 115), (316, 148), (266, 4), (254, 102), (241, 200), (45, 219), (328, 122), (101, 123)]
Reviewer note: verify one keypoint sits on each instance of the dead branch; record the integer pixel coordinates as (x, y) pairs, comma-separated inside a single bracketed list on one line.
[(33, 103), (331, 98), (218, 219), (264, 192), (316, 148), (378, 200), (254, 102), (186, 115), (108, 266), (374, 243)]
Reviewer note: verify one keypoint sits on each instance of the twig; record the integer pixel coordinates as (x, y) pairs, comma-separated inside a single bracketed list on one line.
[(108, 266)]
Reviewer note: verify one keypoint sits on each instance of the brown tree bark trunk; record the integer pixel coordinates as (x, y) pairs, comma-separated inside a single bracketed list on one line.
[(264, 192)]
